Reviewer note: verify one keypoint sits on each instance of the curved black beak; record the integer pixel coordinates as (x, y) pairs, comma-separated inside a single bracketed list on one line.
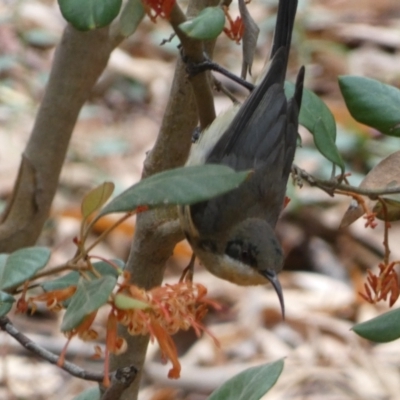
[(273, 278)]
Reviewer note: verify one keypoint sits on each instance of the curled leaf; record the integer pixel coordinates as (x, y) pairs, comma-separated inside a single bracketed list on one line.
[(250, 36), (385, 175)]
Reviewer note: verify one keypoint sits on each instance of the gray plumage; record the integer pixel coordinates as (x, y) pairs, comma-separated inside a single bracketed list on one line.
[(233, 234)]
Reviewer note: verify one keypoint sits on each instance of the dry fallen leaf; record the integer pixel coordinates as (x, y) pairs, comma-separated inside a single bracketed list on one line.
[(250, 35), (385, 175)]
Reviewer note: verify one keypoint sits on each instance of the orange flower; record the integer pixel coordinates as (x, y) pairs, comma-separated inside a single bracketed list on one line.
[(53, 298), (168, 348), (379, 287), (83, 331), (161, 312), (155, 8), (114, 343), (236, 27)]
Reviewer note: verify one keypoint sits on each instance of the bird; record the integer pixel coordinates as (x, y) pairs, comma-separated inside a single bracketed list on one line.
[(233, 235)]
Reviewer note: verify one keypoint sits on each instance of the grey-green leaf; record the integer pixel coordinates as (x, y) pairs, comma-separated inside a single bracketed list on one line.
[(372, 103), (22, 265), (318, 119), (186, 185), (382, 329), (206, 26), (72, 278), (251, 384), (6, 302), (89, 14), (89, 297)]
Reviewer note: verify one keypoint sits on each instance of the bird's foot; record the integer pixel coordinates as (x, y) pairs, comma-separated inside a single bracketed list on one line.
[(207, 64), (187, 274), (196, 134)]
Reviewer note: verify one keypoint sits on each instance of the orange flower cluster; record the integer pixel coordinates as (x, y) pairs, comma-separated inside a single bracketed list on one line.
[(236, 27), (169, 309), (158, 8), (160, 312), (53, 299), (380, 287)]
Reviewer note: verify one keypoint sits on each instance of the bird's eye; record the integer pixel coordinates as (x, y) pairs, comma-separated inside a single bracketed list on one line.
[(247, 258), (240, 252), (234, 250)]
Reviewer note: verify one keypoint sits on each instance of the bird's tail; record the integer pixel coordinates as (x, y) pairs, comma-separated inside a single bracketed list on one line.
[(275, 69), (284, 25)]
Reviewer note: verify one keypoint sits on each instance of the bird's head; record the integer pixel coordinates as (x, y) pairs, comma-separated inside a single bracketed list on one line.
[(251, 255), (253, 244)]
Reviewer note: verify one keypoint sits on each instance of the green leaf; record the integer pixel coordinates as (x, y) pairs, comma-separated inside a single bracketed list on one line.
[(6, 302), (206, 26), (185, 185), (131, 16), (382, 329), (324, 143), (87, 15), (318, 119), (89, 297), (372, 103), (251, 384), (3, 259), (22, 265), (89, 394), (124, 302), (72, 278), (96, 198)]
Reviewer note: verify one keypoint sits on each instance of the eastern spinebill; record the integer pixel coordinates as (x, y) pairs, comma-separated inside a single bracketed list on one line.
[(233, 235)]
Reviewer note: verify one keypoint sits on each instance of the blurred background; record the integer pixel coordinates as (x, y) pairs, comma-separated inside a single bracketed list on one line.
[(325, 266)]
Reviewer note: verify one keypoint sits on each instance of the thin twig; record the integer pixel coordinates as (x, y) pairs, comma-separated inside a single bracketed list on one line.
[(74, 370), (221, 88), (103, 235), (56, 270), (331, 185), (386, 232)]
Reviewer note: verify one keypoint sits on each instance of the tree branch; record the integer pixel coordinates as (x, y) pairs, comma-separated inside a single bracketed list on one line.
[(153, 243), (122, 378), (79, 60), (188, 101)]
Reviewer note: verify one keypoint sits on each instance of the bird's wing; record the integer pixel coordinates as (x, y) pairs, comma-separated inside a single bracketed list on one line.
[(257, 119), (262, 137)]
